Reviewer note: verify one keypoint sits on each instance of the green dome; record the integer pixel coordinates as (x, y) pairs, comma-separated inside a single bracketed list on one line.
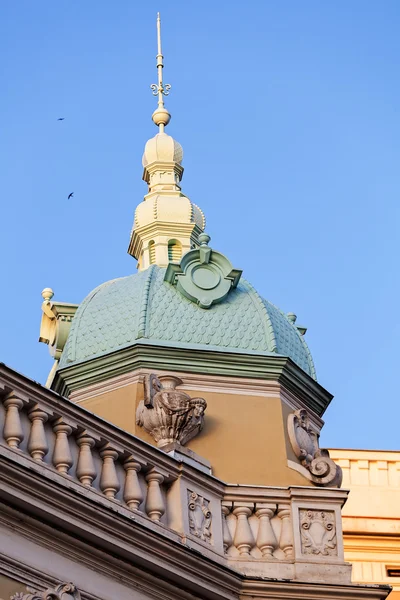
[(143, 305)]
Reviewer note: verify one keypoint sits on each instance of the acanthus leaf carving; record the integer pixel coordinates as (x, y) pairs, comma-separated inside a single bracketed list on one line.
[(318, 532), (64, 591), (167, 414), (304, 440), (199, 516)]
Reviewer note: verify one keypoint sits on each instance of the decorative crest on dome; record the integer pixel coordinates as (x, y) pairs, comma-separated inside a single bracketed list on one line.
[(203, 275), (161, 116)]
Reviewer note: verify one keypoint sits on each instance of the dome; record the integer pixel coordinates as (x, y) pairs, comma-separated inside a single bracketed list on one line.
[(144, 306), (162, 148), (178, 209)]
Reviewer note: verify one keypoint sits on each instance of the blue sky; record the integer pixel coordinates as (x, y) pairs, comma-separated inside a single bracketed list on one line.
[(288, 113)]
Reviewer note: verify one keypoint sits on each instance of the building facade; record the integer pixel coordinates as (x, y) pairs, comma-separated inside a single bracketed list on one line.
[(174, 451), (371, 516)]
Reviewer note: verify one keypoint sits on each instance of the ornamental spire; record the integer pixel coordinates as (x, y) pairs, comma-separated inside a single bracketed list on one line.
[(161, 116)]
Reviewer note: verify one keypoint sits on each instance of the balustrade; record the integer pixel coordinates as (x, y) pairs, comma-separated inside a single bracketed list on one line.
[(12, 431), (155, 507), (133, 495), (37, 443), (62, 457), (253, 524), (266, 541)]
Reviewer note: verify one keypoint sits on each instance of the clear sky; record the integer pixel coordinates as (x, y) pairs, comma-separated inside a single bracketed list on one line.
[(288, 113)]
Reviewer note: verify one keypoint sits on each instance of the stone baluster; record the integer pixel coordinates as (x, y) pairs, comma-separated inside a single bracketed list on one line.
[(155, 507), (109, 482), (37, 442), (286, 538), (266, 541), (243, 539), (85, 470), (12, 432), (133, 495), (226, 534), (62, 457)]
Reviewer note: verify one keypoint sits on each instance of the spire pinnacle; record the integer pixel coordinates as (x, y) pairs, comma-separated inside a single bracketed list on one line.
[(161, 116)]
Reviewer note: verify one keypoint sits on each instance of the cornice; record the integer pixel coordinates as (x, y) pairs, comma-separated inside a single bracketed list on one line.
[(201, 383), (311, 591), (162, 356)]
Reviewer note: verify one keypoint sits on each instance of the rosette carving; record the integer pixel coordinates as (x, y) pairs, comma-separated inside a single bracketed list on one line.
[(304, 440), (167, 414)]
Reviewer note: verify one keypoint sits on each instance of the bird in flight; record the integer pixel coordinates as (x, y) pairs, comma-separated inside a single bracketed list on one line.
[(61, 119), (71, 195)]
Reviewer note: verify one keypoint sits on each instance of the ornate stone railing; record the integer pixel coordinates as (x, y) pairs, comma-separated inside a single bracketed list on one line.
[(291, 533)]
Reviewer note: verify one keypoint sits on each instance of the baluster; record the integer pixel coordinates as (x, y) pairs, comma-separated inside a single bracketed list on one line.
[(133, 495), (85, 470), (13, 433), (154, 502), (62, 457), (243, 539), (226, 534), (286, 539), (266, 540), (109, 483), (37, 443)]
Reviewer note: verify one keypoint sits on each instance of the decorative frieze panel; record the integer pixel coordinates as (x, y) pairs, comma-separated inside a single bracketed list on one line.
[(304, 440), (318, 532), (200, 516), (167, 414)]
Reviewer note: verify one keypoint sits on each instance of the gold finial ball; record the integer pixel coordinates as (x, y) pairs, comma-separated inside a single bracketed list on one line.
[(47, 294), (161, 116)]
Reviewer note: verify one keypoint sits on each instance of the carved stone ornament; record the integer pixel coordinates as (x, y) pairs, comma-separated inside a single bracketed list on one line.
[(323, 471), (318, 532), (199, 516), (204, 276), (64, 591), (167, 414)]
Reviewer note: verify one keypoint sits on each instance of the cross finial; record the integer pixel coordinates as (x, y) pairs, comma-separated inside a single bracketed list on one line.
[(161, 116)]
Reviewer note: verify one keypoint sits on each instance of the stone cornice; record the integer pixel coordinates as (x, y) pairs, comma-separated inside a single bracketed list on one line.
[(311, 591), (201, 383), (158, 356)]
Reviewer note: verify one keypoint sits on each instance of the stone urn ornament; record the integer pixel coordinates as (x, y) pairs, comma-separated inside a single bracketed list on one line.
[(167, 414)]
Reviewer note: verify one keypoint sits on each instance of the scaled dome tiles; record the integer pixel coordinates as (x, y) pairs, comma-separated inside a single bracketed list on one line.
[(143, 305)]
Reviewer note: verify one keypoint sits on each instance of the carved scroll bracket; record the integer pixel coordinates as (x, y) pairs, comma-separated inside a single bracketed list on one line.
[(304, 440)]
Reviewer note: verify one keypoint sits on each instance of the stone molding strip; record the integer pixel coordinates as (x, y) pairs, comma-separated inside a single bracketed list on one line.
[(158, 357)]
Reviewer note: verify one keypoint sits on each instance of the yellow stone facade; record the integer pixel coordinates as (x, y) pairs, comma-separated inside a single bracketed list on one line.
[(371, 515)]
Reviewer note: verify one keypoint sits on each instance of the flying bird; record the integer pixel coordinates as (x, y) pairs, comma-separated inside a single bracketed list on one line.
[(61, 119), (70, 195)]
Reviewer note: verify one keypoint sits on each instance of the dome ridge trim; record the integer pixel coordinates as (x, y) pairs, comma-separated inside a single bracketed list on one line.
[(262, 310), (71, 356), (310, 358), (144, 303)]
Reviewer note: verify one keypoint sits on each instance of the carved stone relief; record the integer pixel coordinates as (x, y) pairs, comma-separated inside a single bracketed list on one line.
[(199, 516), (64, 591), (304, 441), (167, 414), (318, 532)]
